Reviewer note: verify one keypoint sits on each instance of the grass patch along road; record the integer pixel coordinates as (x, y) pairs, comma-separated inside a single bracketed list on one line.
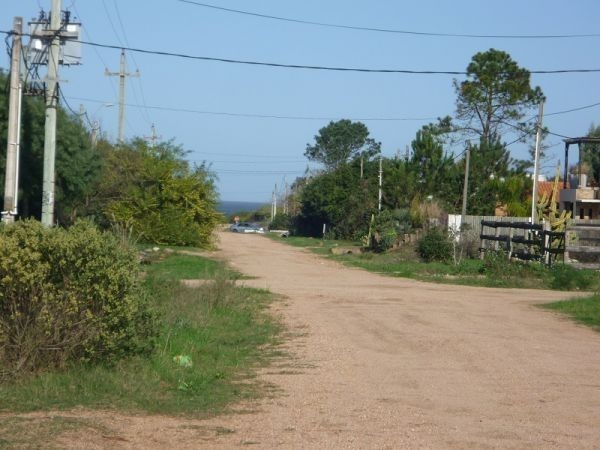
[(584, 310), (169, 266), (493, 271), (211, 338)]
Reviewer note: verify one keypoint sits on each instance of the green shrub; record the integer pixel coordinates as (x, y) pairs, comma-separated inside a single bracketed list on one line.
[(388, 225), (496, 264), (435, 246), (68, 295), (158, 194), (568, 278), (281, 222)]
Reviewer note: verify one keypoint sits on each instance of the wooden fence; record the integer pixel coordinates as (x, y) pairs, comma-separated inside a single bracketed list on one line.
[(583, 244), (523, 240), (473, 223), (514, 235)]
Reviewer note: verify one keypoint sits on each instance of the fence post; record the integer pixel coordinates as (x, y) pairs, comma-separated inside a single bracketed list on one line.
[(496, 234), (510, 246), (547, 243)]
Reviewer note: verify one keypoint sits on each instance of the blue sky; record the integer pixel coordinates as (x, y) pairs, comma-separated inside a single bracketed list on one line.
[(250, 155)]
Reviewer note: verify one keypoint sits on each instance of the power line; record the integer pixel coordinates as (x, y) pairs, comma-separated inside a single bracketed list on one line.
[(110, 21), (292, 117), (572, 109), (526, 132), (312, 67), (145, 114), (294, 66), (263, 116), (297, 161), (307, 67), (122, 42), (253, 155), (85, 31), (393, 31), (258, 172)]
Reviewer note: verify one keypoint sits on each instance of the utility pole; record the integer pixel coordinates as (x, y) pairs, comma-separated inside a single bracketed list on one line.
[(380, 183), (274, 203), (48, 184), (536, 163), (466, 184), (154, 137), (362, 164), (95, 130), (11, 180), (286, 208), (122, 74)]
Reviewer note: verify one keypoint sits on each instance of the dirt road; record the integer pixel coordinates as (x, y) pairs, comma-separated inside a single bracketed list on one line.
[(392, 363), (382, 362)]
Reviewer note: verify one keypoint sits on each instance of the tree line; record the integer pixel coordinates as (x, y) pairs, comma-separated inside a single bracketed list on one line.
[(150, 192), (492, 103)]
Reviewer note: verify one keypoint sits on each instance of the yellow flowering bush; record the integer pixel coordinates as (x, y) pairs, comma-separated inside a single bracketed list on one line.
[(68, 295)]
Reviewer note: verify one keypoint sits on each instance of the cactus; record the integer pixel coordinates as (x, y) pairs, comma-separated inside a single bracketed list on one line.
[(547, 208)]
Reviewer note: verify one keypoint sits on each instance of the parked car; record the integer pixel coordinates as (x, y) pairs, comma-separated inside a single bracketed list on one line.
[(246, 227)]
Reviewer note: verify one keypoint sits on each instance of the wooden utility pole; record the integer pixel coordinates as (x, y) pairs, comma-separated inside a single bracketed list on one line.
[(49, 182), (466, 184), (536, 163), (11, 180), (122, 74)]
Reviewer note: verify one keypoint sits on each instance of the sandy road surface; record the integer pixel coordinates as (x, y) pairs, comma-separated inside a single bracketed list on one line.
[(393, 363), (399, 363)]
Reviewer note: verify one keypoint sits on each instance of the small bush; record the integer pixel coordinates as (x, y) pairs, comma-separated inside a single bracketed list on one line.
[(435, 246), (496, 264), (568, 278), (281, 222), (68, 295), (388, 225)]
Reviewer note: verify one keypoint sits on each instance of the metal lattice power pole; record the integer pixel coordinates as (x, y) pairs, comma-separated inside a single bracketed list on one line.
[(48, 184), (11, 183), (536, 164), (122, 74)]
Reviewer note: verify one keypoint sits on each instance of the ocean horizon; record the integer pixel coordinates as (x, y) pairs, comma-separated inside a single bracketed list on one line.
[(230, 207)]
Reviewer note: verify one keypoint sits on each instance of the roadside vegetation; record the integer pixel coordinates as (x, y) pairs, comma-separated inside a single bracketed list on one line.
[(150, 193), (583, 310), (492, 271), (82, 324), (203, 347)]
